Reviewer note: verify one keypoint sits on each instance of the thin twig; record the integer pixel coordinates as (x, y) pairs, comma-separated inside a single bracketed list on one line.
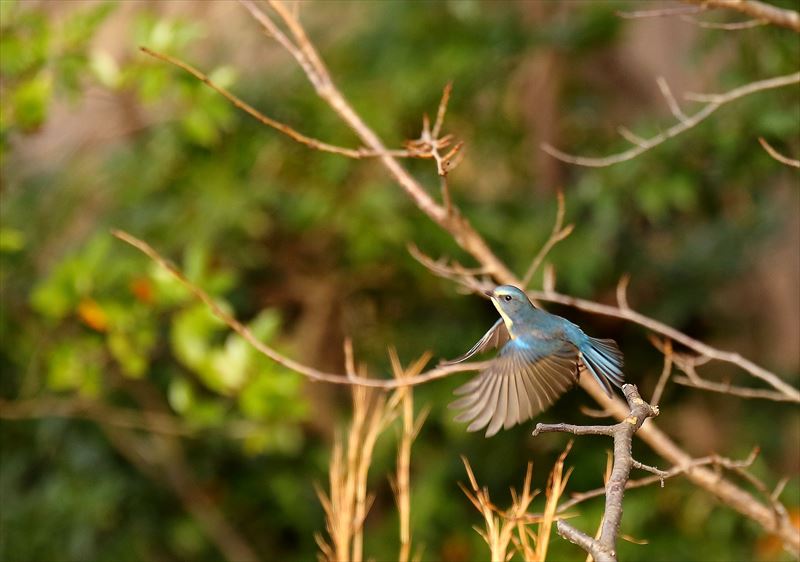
[(782, 17), (777, 155), (269, 122), (726, 388), (729, 26), (310, 372), (661, 12), (557, 234), (665, 373), (409, 429), (714, 102), (713, 460)]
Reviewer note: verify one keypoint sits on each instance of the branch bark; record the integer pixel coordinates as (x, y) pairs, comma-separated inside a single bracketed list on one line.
[(757, 10), (604, 548), (714, 102)]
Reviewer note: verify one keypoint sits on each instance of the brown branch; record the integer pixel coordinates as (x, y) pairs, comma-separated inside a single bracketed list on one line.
[(757, 10), (777, 155), (661, 12), (558, 234), (468, 239), (725, 490), (305, 370), (727, 388), (714, 460), (688, 364), (665, 373), (705, 350), (268, 121), (603, 549), (713, 102), (305, 53), (726, 26)]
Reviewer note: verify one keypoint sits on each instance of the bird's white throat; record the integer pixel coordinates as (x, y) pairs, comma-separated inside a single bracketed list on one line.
[(506, 318)]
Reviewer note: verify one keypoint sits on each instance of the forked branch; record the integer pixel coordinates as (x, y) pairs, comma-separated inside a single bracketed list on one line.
[(604, 548), (640, 146)]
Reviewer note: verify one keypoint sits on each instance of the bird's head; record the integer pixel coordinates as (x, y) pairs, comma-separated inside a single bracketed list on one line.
[(509, 301)]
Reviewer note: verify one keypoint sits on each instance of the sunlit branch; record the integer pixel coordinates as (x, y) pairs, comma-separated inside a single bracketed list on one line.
[(713, 102), (782, 17), (777, 155)]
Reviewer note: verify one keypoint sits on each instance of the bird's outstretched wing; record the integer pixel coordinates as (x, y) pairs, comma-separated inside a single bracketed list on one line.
[(522, 381), (494, 338)]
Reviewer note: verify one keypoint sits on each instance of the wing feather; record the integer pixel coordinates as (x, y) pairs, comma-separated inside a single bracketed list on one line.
[(494, 338), (522, 381)]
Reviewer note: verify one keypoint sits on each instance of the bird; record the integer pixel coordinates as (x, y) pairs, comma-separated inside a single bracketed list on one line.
[(541, 357)]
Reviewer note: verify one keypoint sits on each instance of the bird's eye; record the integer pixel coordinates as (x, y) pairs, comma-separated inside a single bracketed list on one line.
[(507, 298)]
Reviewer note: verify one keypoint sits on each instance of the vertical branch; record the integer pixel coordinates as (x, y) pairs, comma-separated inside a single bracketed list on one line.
[(604, 549)]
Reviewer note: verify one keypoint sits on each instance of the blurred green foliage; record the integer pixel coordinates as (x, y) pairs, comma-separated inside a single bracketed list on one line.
[(308, 247)]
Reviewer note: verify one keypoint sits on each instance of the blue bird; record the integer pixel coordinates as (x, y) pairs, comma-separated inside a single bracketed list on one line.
[(541, 357)]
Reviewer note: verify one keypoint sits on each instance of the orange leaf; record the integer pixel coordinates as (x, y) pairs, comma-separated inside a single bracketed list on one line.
[(93, 315)]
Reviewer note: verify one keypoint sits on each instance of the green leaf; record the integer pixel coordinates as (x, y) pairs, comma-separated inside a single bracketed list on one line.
[(31, 101), (11, 240)]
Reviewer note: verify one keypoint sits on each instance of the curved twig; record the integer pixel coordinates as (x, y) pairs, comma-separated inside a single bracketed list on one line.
[(714, 102)]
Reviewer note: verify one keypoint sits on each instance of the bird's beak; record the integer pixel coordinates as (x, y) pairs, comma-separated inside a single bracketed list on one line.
[(489, 294)]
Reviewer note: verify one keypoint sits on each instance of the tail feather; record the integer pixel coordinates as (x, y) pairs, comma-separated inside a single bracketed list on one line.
[(604, 361)]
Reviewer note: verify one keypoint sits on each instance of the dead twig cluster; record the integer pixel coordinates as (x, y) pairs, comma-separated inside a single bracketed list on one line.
[(511, 527), (347, 501)]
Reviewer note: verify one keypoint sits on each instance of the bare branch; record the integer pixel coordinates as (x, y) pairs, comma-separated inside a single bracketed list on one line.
[(725, 490), (603, 549), (757, 10), (463, 232), (679, 10), (660, 328), (671, 101), (558, 234), (630, 136), (746, 89), (727, 388), (665, 373), (714, 460), (714, 102), (730, 26), (310, 372), (777, 155), (269, 122)]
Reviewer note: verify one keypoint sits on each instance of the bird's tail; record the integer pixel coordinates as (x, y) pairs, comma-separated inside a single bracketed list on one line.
[(603, 359)]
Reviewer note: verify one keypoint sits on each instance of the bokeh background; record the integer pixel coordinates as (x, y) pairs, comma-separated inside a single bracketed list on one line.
[(309, 248)]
